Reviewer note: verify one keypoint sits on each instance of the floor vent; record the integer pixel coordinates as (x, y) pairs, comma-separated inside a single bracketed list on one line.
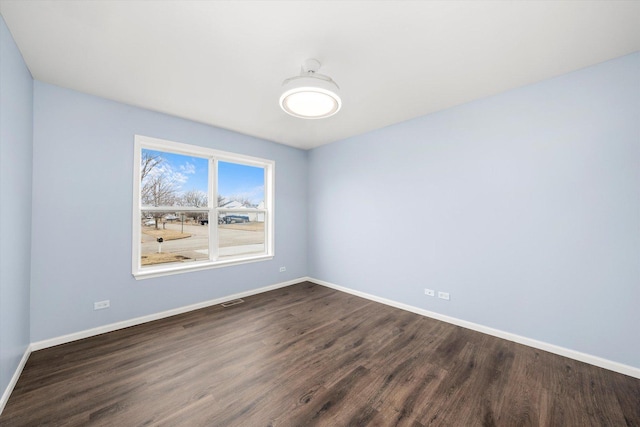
[(232, 302)]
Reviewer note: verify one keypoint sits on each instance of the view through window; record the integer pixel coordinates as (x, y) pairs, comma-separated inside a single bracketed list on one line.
[(198, 207)]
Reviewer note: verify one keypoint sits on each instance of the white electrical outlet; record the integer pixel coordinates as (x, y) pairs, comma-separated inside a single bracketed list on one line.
[(101, 305), (443, 295), (283, 269), (429, 292)]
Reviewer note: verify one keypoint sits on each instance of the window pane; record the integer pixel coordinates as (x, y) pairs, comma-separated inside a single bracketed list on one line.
[(240, 186), (168, 179), (240, 233), (185, 237), (203, 225)]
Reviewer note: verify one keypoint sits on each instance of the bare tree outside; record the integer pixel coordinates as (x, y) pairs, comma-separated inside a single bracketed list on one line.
[(197, 199), (160, 191), (148, 163), (157, 187), (194, 198)]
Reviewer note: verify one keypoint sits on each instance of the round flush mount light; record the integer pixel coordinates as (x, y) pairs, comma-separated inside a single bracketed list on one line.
[(310, 95)]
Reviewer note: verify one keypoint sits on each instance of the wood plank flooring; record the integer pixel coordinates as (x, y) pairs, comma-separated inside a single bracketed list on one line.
[(307, 355)]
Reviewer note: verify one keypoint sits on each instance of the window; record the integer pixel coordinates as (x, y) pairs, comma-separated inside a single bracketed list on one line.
[(197, 208)]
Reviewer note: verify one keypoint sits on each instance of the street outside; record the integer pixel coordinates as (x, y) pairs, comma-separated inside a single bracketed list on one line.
[(234, 239)]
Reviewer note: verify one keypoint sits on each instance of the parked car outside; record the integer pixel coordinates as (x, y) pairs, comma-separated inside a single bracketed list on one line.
[(230, 219)]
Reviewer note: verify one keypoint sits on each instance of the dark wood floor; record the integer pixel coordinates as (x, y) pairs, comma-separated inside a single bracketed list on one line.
[(308, 355)]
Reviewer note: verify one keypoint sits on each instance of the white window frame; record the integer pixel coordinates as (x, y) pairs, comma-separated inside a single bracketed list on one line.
[(145, 142)]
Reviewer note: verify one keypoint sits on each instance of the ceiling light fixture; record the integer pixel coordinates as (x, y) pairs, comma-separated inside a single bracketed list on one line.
[(310, 95)]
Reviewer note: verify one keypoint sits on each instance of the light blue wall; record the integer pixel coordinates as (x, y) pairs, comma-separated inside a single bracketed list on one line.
[(82, 193), (525, 207), (16, 147)]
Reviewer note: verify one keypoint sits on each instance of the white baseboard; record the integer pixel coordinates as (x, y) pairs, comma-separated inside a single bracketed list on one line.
[(39, 345), (551, 348), (14, 378), (572, 354)]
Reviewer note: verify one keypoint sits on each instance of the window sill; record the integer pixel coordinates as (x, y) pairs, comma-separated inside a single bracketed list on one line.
[(152, 272)]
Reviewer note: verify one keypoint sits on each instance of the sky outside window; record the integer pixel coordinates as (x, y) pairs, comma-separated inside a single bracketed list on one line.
[(187, 173), (184, 172), (241, 182)]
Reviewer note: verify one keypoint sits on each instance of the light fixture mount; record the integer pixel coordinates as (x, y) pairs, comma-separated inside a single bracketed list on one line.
[(310, 95)]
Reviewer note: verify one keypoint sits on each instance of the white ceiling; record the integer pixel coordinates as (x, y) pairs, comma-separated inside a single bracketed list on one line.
[(223, 62)]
